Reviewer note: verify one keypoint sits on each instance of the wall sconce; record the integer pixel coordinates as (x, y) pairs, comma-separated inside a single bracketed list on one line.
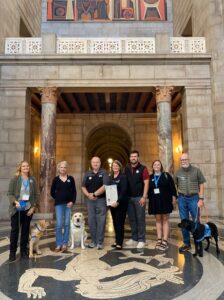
[(110, 161), (36, 150), (179, 149)]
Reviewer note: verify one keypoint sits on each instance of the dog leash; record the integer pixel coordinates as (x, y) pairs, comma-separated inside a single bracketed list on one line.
[(198, 218), (206, 213)]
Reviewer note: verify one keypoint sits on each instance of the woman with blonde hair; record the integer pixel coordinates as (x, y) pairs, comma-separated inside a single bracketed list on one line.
[(63, 191), (119, 208), (23, 198)]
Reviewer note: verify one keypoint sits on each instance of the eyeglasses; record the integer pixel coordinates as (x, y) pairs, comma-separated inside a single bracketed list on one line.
[(184, 159)]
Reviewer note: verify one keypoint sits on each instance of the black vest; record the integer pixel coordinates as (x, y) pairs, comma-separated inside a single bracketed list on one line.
[(94, 182), (135, 180)]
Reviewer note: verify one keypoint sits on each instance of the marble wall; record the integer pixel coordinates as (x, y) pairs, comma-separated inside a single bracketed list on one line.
[(208, 21)]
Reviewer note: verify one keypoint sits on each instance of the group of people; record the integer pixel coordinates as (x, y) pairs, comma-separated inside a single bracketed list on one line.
[(134, 187)]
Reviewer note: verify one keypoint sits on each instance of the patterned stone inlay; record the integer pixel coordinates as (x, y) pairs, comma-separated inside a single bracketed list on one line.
[(29, 46), (140, 45), (187, 45)]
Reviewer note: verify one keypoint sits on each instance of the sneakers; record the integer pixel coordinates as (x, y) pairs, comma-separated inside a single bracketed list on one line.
[(91, 245), (57, 249), (99, 247), (131, 242), (63, 249), (184, 248), (140, 245)]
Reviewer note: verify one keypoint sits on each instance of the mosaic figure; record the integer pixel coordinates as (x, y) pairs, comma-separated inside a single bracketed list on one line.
[(92, 284)]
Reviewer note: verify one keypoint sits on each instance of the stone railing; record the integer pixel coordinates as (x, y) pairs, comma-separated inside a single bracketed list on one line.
[(23, 46), (187, 45), (33, 46)]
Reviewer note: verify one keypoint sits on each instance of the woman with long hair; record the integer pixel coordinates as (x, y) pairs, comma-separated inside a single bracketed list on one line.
[(162, 199), (23, 196), (119, 208), (63, 191)]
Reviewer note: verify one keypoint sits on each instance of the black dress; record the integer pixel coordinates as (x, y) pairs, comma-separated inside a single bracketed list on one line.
[(119, 213), (161, 203)]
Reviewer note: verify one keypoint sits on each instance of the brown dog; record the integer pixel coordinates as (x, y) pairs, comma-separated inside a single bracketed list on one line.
[(36, 232)]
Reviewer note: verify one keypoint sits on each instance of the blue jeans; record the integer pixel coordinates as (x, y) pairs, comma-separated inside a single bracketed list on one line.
[(63, 216), (136, 216), (188, 205), (97, 212)]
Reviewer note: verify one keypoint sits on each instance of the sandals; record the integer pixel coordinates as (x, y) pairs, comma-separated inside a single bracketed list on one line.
[(158, 244), (163, 245)]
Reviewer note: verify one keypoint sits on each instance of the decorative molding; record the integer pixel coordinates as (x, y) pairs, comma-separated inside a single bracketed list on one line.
[(71, 46), (135, 45), (48, 94), (140, 45), (187, 45), (28, 46), (163, 94)]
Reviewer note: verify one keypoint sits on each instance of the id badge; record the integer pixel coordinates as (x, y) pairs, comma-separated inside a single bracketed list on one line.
[(156, 191), (25, 197)]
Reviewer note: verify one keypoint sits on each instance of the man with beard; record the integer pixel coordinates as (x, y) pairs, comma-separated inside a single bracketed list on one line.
[(138, 185), (190, 185)]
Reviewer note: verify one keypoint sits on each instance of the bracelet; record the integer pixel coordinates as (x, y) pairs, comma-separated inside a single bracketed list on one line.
[(201, 198)]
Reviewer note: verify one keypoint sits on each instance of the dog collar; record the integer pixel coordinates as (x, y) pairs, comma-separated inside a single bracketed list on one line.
[(36, 225), (77, 226)]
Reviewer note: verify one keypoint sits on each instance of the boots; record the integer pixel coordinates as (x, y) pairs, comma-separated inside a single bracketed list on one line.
[(24, 254), (12, 256)]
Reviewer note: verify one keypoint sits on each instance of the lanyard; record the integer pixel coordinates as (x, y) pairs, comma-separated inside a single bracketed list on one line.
[(27, 183), (156, 179)]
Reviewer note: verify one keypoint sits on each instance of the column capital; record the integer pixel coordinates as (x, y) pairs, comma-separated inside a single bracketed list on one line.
[(164, 94), (48, 94)]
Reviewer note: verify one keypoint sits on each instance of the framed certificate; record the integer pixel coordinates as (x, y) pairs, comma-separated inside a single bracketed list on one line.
[(111, 194)]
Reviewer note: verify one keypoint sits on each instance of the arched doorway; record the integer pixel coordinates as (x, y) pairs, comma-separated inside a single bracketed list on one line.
[(108, 141)]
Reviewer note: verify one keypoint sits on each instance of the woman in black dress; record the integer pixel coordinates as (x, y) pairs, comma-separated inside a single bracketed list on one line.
[(119, 208), (162, 199)]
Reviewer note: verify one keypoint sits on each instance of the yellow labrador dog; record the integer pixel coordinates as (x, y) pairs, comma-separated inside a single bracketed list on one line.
[(78, 235), (36, 232)]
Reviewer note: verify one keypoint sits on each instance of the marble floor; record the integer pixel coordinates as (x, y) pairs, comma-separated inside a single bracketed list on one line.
[(128, 274)]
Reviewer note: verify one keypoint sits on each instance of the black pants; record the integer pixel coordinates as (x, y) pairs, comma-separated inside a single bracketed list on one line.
[(20, 220), (118, 216)]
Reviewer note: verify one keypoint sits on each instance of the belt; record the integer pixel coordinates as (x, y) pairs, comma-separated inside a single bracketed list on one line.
[(187, 196)]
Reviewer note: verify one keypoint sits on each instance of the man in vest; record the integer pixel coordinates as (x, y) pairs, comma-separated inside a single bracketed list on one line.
[(190, 186), (93, 188), (138, 185)]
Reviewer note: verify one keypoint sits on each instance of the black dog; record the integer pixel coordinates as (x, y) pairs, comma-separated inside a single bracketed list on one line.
[(201, 232)]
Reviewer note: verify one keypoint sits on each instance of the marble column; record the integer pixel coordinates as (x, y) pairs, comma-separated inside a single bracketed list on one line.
[(48, 146), (164, 126)]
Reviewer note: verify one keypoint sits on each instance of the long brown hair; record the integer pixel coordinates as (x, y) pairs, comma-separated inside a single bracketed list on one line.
[(119, 164), (18, 169), (162, 169)]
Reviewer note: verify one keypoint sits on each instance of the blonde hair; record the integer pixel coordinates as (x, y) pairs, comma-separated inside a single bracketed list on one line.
[(117, 162), (18, 169), (60, 163)]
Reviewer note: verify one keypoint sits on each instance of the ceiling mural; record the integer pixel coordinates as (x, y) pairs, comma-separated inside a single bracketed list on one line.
[(106, 10)]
